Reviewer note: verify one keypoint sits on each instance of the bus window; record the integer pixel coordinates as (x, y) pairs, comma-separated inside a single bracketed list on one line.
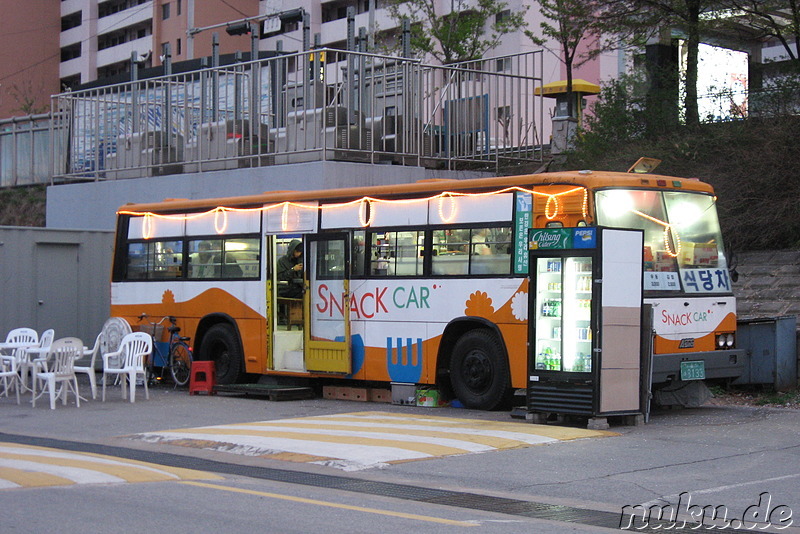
[(358, 258), (450, 251), (461, 251), (644, 210), (155, 260), (205, 258), (491, 251), (701, 259), (242, 258), (396, 253)]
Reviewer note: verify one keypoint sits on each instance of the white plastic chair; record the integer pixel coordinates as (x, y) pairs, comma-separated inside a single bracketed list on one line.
[(27, 358), (57, 368), (9, 374), (132, 351), (89, 369), (21, 337)]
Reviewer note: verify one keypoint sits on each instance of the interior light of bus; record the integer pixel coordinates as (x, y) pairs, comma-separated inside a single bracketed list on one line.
[(684, 214), (617, 203), (233, 246)]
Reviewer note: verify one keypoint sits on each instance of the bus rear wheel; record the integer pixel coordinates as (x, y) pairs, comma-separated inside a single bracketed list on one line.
[(221, 345), (479, 371)]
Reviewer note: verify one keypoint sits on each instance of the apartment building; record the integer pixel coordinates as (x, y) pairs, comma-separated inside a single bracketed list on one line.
[(29, 56), (98, 37)]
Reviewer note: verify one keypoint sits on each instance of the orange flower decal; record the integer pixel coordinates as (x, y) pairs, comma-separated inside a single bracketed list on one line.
[(168, 297), (479, 305)]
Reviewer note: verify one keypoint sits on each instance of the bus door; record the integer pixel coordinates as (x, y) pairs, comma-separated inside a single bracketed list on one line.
[(285, 303), (327, 325)]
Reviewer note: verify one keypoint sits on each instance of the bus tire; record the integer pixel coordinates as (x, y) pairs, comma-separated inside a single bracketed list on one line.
[(479, 371), (221, 345)]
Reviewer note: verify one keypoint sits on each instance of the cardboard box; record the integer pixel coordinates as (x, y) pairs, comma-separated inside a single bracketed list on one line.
[(430, 397), (404, 393), (699, 254)]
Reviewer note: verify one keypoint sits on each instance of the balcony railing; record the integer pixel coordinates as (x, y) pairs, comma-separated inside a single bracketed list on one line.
[(318, 105)]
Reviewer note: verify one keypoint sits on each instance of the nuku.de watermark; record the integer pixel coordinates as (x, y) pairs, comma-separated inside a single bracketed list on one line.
[(685, 515)]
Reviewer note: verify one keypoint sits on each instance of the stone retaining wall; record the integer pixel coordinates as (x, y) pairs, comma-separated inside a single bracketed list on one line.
[(769, 284)]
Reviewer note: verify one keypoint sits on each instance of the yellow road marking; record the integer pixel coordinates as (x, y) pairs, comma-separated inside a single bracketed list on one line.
[(489, 441), (424, 448), (332, 504), (121, 468), (556, 432), (31, 479)]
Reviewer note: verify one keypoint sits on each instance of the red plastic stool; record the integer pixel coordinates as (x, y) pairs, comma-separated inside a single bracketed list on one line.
[(203, 378)]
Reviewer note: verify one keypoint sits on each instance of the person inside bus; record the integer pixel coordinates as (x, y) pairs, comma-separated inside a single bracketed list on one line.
[(290, 271), (479, 245), (205, 264)]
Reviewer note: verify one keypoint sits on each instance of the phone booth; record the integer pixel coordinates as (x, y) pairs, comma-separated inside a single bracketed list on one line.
[(585, 314)]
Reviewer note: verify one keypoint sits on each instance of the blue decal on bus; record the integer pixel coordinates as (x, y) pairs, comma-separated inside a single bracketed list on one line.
[(404, 368)]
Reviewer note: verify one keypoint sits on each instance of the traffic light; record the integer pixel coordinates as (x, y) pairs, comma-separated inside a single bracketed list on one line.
[(238, 28)]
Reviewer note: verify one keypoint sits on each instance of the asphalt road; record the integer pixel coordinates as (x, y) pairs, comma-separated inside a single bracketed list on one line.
[(744, 459)]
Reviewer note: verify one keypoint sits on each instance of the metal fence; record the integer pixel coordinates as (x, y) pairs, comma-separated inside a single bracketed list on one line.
[(322, 104), (25, 151)]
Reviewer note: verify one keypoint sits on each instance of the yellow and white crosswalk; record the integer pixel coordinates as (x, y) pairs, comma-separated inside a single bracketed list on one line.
[(26, 466), (363, 440)]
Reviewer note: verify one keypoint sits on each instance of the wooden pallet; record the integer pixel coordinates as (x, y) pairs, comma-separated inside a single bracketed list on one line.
[(273, 392)]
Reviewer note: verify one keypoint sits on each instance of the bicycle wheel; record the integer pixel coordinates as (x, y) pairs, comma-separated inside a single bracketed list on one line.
[(180, 363)]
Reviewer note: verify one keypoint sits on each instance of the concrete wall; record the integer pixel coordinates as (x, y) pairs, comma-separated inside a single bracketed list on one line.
[(55, 279), (94, 205)]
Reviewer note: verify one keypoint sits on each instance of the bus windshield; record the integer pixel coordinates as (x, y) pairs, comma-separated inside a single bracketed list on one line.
[(683, 248)]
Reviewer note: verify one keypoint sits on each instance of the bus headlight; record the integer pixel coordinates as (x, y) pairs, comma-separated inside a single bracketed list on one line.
[(725, 341)]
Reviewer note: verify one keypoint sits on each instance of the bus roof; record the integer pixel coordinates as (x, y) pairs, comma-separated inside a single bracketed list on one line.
[(588, 179)]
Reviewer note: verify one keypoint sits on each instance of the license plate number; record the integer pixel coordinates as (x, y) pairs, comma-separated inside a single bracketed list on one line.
[(693, 370)]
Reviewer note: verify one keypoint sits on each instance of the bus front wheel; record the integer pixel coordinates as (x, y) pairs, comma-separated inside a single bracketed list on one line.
[(479, 371), (221, 345)]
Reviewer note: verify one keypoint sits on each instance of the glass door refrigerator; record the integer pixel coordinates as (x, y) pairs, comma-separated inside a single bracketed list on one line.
[(571, 316)]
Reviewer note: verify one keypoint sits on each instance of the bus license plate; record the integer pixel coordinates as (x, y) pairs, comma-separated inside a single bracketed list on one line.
[(693, 370)]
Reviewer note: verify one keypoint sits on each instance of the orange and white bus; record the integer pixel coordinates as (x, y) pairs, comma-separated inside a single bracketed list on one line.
[(422, 283)]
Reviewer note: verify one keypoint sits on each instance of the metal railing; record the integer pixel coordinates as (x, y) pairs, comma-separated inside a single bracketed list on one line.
[(25, 150), (322, 104)]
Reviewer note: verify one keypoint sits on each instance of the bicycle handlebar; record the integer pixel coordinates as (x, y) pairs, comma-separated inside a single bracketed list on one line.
[(170, 318)]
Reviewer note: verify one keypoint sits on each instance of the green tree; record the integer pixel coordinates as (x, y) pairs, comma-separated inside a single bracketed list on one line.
[(464, 33), (763, 19), (640, 18), (568, 23)]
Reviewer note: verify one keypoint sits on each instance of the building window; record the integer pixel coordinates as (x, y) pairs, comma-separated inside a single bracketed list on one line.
[(502, 16), (178, 8), (503, 64), (165, 12), (70, 52), (178, 48), (71, 21)]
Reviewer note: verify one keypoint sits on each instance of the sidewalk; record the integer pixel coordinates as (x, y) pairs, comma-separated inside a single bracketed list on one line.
[(716, 455)]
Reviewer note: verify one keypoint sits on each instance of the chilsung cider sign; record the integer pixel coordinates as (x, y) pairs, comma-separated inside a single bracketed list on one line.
[(561, 238)]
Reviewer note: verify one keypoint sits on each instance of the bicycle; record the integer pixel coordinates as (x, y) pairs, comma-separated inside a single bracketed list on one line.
[(178, 358)]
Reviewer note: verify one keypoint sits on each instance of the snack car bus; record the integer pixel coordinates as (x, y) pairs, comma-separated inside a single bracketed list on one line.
[(423, 283)]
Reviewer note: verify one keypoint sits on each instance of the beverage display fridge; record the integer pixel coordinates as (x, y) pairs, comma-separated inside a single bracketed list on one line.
[(585, 321)]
